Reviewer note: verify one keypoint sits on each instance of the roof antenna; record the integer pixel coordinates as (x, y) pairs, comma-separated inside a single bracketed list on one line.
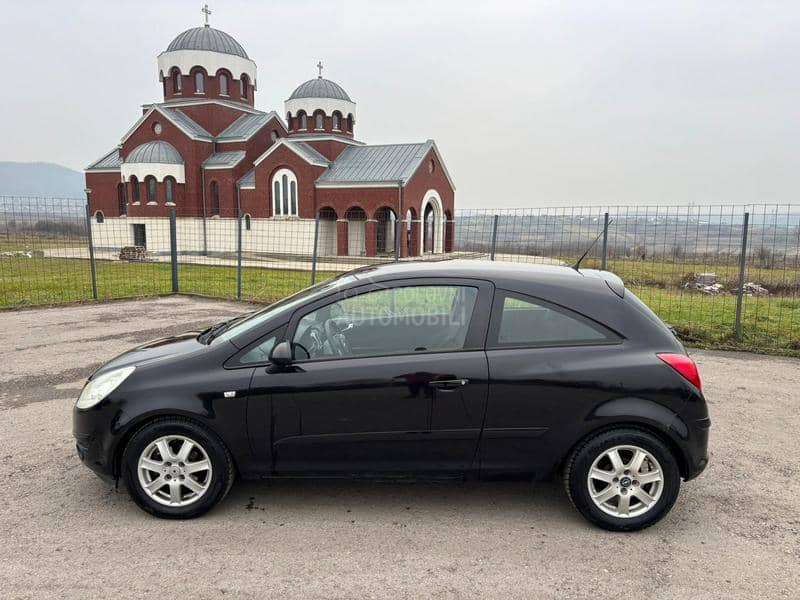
[(577, 265)]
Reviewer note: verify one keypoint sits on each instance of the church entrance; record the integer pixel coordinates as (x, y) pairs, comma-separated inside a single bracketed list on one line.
[(356, 231), (385, 230), (429, 233), (139, 235)]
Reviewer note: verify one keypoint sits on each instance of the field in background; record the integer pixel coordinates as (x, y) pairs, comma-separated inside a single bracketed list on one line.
[(684, 262)]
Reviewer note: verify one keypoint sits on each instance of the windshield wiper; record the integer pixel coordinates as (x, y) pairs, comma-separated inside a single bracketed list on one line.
[(209, 334)]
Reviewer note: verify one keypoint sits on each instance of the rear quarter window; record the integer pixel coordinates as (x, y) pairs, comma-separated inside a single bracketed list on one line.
[(522, 321)]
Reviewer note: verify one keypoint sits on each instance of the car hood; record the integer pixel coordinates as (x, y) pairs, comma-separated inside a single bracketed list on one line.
[(149, 352)]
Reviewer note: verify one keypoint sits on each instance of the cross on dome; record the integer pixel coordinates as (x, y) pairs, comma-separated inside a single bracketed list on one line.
[(207, 12), (319, 66)]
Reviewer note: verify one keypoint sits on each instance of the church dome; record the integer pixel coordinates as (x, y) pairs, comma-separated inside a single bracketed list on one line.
[(209, 39), (155, 152), (320, 88)]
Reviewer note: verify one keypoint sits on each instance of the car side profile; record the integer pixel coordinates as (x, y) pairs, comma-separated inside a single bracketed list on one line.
[(425, 370)]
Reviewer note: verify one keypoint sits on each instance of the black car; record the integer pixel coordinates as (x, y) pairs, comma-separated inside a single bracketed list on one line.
[(439, 369)]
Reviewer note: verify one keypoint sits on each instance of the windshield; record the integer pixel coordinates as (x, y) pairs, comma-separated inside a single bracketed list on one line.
[(282, 307)]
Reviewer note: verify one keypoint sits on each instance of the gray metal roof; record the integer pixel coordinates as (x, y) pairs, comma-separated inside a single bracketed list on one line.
[(308, 152), (245, 126), (207, 38), (320, 88), (248, 179), (112, 160), (155, 152), (185, 122), (224, 159), (365, 164)]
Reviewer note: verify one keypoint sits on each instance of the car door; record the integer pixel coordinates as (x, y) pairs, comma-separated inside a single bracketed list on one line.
[(406, 395)]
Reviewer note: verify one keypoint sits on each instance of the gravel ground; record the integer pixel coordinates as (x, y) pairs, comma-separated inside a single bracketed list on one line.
[(734, 532)]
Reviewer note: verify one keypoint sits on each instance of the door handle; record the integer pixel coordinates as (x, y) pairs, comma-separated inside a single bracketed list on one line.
[(448, 384)]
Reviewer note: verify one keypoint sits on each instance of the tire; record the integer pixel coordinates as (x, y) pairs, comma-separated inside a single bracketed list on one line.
[(604, 500), (202, 476)]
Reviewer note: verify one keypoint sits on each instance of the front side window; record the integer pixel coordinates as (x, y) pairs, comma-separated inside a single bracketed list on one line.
[(303, 120), (243, 86), (284, 193), (403, 320), (199, 83), (223, 84), (336, 119), (526, 322), (99, 216), (122, 199), (319, 121), (247, 223), (176, 81)]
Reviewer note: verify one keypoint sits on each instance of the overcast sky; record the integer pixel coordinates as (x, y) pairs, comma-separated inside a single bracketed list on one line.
[(533, 103)]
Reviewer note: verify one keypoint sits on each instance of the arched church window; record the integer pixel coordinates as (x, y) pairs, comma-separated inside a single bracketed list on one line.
[(223, 84), (336, 120), (122, 199), (199, 83), (284, 193), (176, 81), (350, 123), (169, 189), (289, 121), (150, 182), (319, 120), (215, 198), (134, 189), (247, 222), (243, 85), (303, 120), (99, 216)]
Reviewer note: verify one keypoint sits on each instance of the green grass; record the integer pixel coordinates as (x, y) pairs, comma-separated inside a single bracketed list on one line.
[(27, 243), (769, 324)]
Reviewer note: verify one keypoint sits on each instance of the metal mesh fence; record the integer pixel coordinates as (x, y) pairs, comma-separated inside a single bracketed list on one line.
[(724, 276)]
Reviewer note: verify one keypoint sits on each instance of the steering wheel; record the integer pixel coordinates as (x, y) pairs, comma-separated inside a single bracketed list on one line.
[(313, 341), (337, 339)]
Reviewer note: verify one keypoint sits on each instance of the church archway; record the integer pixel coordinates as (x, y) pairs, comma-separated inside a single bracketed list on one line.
[(356, 231), (432, 215), (385, 228)]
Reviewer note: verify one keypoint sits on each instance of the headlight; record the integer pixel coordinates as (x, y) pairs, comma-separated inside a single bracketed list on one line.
[(101, 386)]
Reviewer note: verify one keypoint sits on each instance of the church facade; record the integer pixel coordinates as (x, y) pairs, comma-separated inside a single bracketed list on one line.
[(207, 153)]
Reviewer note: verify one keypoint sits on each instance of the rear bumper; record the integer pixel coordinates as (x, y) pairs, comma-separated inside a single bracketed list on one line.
[(696, 447)]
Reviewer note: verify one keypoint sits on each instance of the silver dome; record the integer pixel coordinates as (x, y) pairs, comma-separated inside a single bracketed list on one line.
[(207, 38), (155, 152), (320, 88)]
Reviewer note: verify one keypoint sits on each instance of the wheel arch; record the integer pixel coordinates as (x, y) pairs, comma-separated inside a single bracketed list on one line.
[(146, 419)]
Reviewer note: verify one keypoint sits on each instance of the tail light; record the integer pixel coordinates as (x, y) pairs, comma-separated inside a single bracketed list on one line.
[(683, 365)]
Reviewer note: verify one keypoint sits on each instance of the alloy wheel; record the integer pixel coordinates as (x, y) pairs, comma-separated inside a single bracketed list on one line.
[(625, 481), (174, 470)]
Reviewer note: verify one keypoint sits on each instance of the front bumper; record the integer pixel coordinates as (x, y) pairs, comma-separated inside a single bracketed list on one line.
[(93, 440)]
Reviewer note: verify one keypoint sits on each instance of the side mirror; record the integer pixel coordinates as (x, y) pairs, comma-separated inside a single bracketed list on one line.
[(281, 355)]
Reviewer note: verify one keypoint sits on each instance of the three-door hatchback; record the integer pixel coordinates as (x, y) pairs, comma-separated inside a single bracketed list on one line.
[(439, 369)]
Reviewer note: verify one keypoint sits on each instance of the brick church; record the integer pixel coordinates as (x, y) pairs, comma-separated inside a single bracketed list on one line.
[(209, 154)]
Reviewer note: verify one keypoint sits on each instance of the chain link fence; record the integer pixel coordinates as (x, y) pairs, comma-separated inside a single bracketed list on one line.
[(724, 276)]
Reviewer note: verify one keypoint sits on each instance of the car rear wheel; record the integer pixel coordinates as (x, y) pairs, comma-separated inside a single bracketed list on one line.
[(176, 469), (622, 479)]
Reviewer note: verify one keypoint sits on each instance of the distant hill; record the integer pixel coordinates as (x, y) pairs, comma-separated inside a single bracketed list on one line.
[(40, 179)]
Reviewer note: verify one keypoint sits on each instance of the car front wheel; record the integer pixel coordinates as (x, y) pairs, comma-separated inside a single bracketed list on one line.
[(622, 479), (176, 469)]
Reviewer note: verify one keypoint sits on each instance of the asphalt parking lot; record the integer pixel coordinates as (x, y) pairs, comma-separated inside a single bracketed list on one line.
[(734, 532)]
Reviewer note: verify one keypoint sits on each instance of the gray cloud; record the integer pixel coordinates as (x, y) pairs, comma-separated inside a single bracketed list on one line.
[(532, 103)]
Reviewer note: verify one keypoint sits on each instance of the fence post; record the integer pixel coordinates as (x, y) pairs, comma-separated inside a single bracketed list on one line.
[(740, 289), (314, 254), (92, 266), (605, 243), (494, 236), (173, 249), (239, 254)]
